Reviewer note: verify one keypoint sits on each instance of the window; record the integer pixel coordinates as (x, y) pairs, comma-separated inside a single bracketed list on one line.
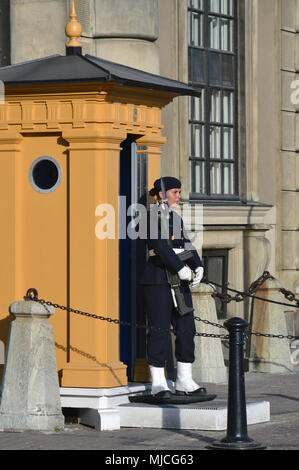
[(45, 174), (213, 116), (216, 270)]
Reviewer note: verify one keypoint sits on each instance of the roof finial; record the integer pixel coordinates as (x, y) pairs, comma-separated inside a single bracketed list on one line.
[(73, 30)]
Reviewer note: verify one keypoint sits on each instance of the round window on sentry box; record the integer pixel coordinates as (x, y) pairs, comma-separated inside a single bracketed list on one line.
[(45, 174)]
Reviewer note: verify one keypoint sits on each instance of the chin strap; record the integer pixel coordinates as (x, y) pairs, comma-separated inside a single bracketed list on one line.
[(164, 202)]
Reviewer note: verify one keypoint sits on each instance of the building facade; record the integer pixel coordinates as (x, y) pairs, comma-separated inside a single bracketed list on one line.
[(235, 147)]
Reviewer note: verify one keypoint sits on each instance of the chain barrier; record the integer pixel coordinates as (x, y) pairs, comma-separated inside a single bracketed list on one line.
[(32, 294), (240, 296)]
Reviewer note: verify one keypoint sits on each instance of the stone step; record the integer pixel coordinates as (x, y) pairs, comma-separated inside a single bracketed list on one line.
[(109, 409), (208, 416)]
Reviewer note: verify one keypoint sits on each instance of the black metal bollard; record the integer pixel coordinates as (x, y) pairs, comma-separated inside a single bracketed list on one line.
[(236, 437)]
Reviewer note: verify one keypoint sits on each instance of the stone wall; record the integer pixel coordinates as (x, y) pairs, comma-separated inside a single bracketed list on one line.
[(123, 32)]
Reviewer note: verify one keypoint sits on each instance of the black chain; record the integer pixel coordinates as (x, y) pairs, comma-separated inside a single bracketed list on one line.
[(290, 296), (240, 296), (33, 295)]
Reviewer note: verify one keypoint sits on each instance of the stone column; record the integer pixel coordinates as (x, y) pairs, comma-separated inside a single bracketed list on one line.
[(93, 275), (30, 391), (257, 252), (269, 354), (257, 255), (121, 31), (209, 363)]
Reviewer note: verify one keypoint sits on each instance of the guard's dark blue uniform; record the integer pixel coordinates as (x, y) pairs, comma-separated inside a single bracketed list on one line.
[(159, 303)]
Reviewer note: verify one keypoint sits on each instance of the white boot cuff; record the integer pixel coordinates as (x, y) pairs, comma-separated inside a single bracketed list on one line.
[(184, 381), (159, 383)]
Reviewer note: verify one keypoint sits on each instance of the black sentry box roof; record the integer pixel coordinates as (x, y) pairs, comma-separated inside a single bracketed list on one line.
[(77, 68)]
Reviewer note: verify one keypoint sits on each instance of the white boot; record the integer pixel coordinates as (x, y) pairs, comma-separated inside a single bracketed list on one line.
[(184, 381), (159, 383)]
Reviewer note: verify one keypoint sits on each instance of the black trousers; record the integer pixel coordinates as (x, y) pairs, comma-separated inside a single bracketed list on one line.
[(162, 314)]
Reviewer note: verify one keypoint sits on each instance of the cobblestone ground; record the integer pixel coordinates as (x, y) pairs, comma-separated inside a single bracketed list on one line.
[(280, 433)]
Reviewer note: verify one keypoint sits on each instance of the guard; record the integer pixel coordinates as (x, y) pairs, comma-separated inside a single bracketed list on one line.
[(168, 300)]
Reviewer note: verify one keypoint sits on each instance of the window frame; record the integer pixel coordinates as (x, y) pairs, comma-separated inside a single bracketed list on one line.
[(207, 124), (33, 166)]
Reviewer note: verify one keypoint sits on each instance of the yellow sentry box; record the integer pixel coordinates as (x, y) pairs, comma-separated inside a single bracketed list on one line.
[(62, 126)]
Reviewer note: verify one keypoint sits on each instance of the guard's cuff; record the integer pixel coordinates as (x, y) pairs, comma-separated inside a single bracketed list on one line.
[(199, 268)]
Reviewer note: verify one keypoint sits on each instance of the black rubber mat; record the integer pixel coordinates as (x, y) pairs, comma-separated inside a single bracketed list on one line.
[(171, 400)]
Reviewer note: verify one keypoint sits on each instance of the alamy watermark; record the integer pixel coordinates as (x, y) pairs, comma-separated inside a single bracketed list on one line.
[(136, 222), (295, 94)]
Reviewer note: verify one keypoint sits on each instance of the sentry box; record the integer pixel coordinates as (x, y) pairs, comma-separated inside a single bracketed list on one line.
[(76, 133)]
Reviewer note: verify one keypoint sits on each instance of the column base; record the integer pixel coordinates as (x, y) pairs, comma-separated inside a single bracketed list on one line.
[(30, 421), (215, 375), (88, 375), (102, 419), (249, 444), (270, 366)]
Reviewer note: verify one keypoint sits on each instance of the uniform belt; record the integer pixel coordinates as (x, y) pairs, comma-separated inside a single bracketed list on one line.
[(176, 250)]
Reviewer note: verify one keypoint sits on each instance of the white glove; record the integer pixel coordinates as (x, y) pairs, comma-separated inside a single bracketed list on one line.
[(185, 274), (198, 276)]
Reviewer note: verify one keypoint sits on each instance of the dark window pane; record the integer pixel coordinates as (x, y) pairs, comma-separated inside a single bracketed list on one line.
[(214, 68), (45, 174), (197, 66), (227, 70), (216, 270)]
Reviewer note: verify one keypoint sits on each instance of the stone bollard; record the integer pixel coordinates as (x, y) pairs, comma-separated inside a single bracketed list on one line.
[(270, 355), (209, 363), (30, 390)]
